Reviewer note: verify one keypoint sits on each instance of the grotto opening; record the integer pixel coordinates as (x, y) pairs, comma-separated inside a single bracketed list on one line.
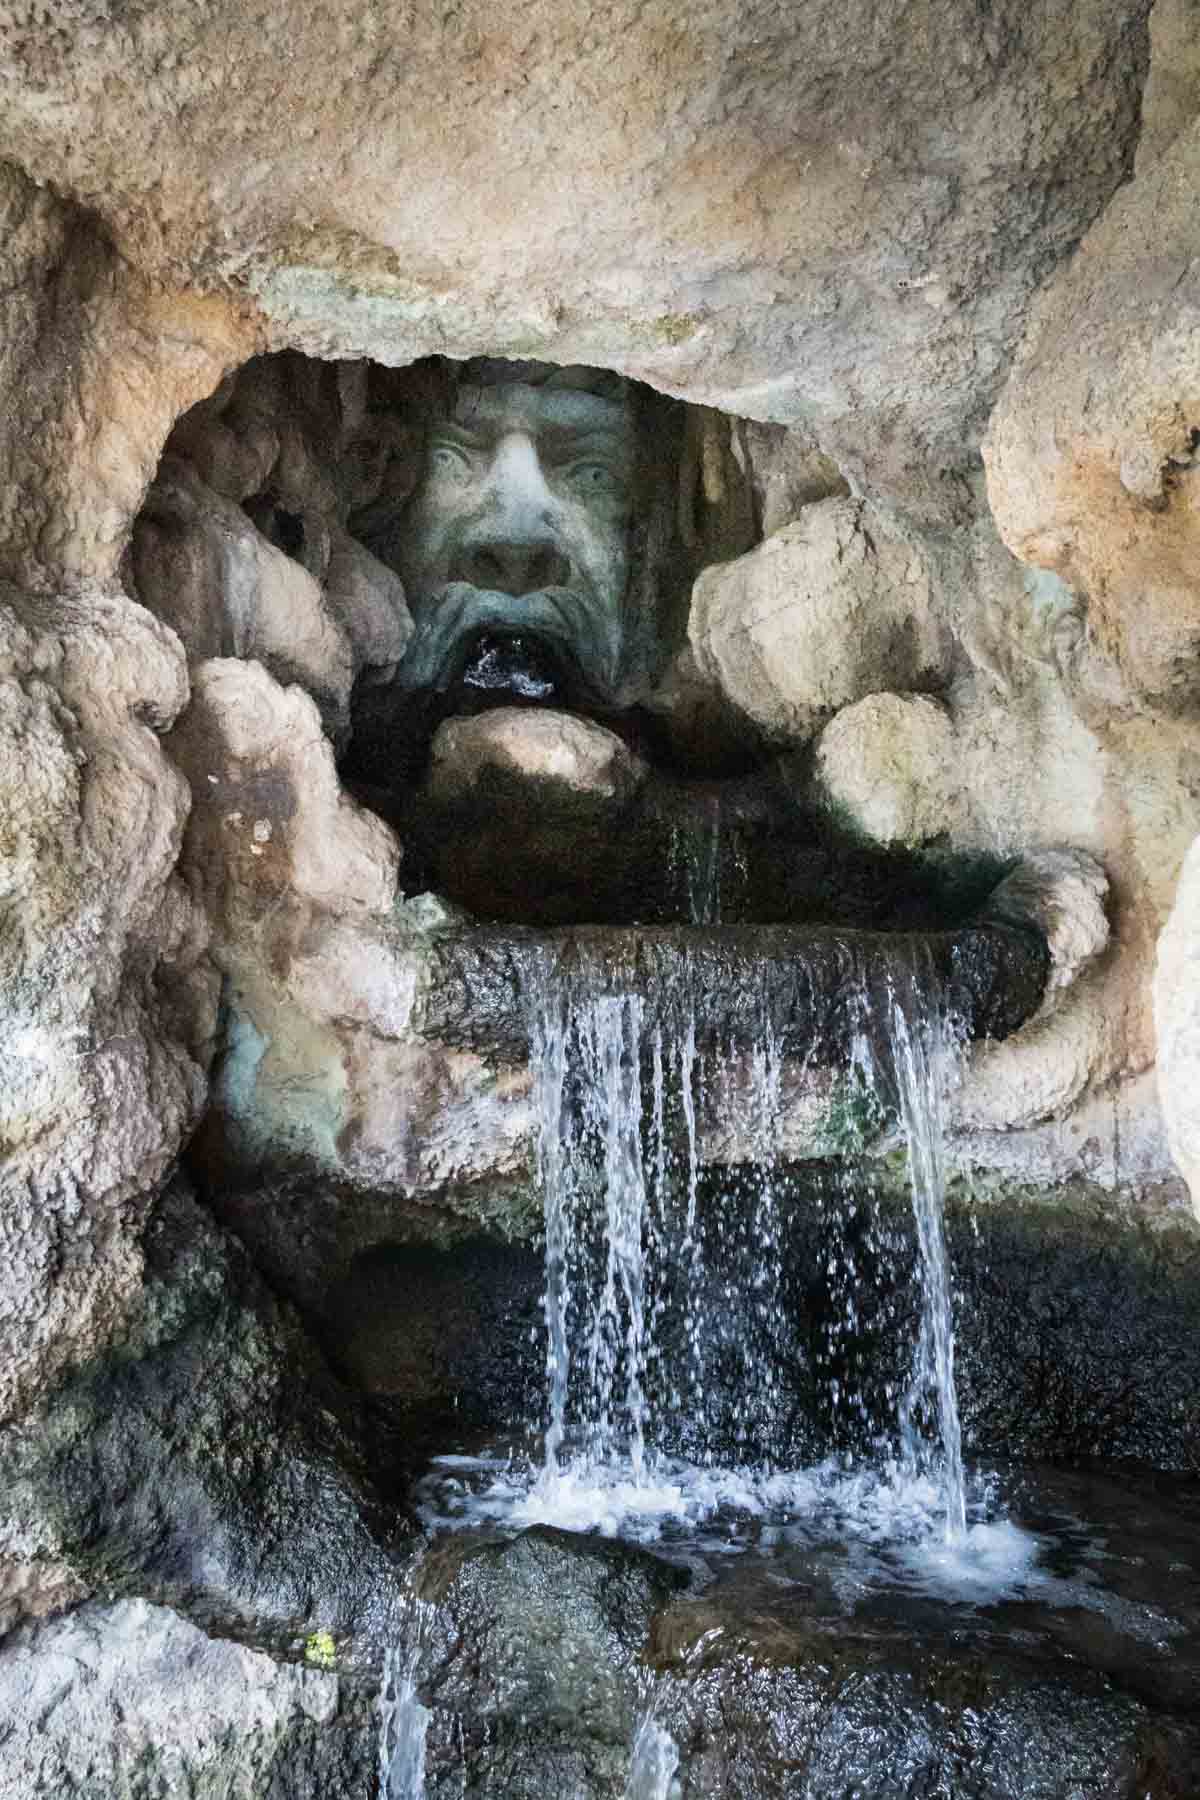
[(599, 691)]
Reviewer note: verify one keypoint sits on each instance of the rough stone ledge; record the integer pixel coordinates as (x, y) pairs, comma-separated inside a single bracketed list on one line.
[(812, 985)]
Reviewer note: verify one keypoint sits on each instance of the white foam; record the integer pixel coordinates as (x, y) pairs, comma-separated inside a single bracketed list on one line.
[(893, 1515)]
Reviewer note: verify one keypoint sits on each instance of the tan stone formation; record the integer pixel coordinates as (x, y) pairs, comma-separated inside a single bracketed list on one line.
[(551, 748), (889, 766), (108, 1004), (1092, 454), (99, 363), (834, 607), (205, 570), (1177, 1012), (758, 236), (323, 1066)]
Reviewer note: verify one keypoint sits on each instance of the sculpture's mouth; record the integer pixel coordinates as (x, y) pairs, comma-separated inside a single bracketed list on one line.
[(516, 666), (556, 644)]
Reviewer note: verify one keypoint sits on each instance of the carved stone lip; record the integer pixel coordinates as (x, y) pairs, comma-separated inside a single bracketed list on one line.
[(564, 621)]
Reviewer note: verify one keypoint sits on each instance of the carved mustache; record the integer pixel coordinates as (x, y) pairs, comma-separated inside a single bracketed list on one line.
[(569, 621)]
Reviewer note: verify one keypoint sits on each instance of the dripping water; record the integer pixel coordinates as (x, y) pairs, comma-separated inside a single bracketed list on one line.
[(404, 1721)]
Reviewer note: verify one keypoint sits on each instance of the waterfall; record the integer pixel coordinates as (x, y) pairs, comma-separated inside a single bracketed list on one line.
[(589, 1060), (919, 1051), (670, 1326)]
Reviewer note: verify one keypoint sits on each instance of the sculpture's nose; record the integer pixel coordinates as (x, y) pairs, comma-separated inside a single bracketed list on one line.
[(511, 565), (513, 547)]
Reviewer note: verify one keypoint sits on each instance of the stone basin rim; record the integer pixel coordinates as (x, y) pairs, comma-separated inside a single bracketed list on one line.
[(484, 981)]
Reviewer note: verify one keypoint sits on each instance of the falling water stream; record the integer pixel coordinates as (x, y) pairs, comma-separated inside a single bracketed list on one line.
[(661, 1324), (665, 1310)]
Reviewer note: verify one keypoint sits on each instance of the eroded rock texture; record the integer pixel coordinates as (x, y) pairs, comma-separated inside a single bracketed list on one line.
[(131, 1700), (107, 997), (675, 134)]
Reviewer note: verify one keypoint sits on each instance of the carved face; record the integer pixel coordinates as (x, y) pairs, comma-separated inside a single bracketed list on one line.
[(515, 546)]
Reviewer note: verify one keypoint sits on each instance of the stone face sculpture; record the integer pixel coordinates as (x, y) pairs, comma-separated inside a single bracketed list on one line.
[(515, 546)]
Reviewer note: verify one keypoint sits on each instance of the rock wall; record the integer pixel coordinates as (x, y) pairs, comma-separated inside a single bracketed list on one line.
[(995, 243)]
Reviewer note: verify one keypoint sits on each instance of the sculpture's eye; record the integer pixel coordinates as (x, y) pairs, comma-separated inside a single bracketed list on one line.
[(595, 478), (448, 459)]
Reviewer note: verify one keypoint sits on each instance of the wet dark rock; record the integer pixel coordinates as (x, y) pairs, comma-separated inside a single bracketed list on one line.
[(1078, 1328), (209, 1462), (533, 1663), (808, 1673), (808, 1666), (809, 981)]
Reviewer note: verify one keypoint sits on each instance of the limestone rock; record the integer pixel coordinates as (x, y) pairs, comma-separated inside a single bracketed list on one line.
[(367, 600), (321, 1063), (1171, 99), (270, 820), (799, 214), (889, 766), (201, 566), (96, 363), (1177, 1015), (107, 1001), (835, 607), (1092, 450), (575, 757), (787, 472), (129, 1699), (1061, 894)]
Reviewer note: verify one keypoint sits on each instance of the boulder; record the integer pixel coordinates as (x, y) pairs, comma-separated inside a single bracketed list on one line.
[(832, 608), (129, 1699), (572, 758), (888, 767)]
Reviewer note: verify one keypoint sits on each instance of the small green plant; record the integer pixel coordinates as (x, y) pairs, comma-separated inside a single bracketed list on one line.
[(320, 1652)]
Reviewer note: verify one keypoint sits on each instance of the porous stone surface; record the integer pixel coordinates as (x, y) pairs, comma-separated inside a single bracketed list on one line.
[(1092, 450), (202, 567), (888, 765), (834, 607), (128, 1701), (322, 1061), (207, 1461), (903, 237), (106, 1000), (1177, 1013), (576, 757), (97, 361)]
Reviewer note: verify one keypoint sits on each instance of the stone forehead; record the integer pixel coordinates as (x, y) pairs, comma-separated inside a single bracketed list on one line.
[(518, 406)]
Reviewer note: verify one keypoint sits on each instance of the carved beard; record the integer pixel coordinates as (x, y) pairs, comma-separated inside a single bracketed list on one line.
[(582, 635)]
